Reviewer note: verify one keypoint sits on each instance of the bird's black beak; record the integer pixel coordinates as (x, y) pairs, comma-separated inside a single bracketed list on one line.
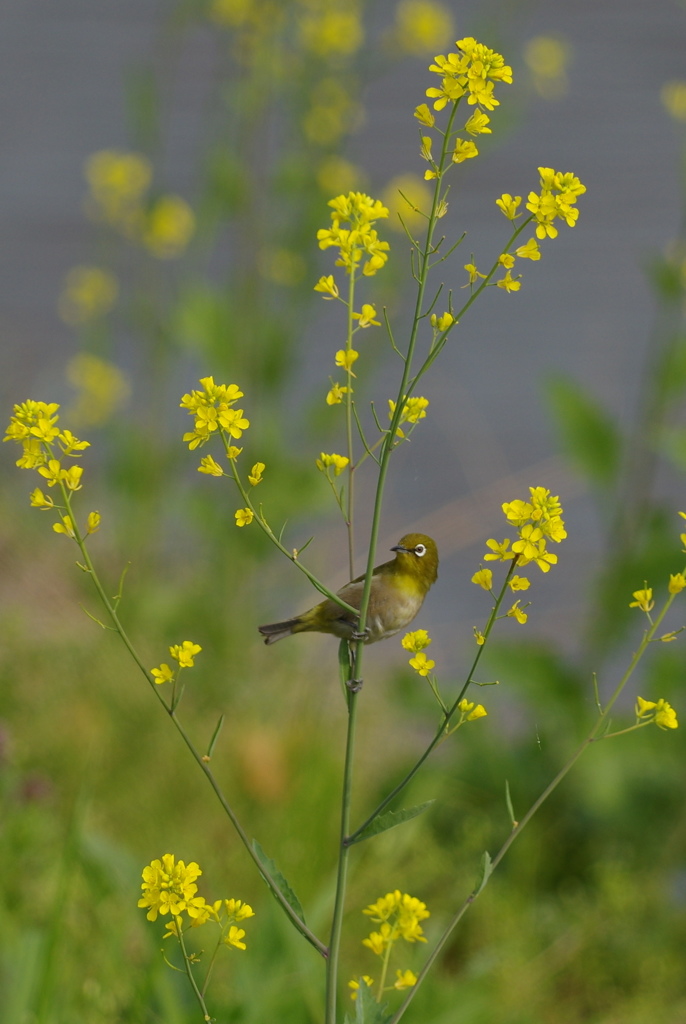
[(399, 547)]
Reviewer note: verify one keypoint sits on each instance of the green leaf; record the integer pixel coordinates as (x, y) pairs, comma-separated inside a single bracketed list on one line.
[(279, 880), (367, 1010), (486, 870), (510, 808), (589, 436), (390, 820), (215, 735)]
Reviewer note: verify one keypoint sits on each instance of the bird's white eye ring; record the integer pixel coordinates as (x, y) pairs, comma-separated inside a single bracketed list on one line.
[(420, 550)]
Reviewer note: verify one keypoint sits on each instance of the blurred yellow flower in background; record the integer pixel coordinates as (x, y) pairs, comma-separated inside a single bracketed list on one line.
[(329, 28), (422, 27), (673, 96), (547, 58), (335, 175), (405, 196), (117, 183), (101, 389), (88, 294), (169, 226), (230, 12)]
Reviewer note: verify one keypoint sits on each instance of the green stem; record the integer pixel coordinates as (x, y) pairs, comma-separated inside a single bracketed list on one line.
[(190, 975), (390, 438), (210, 966), (384, 970), (623, 732), (459, 314), (285, 905), (266, 529), (342, 871), (521, 825), (448, 715), (349, 429)]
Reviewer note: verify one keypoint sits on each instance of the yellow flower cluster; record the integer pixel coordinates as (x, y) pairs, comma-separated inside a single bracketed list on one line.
[(644, 601), (441, 322), (557, 199), (169, 887), (184, 654), (402, 913), (359, 240), (119, 183), (356, 241), (473, 71), (399, 916), (415, 642), (659, 712), (470, 711), (34, 425), (537, 521), (326, 462), (414, 410), (213, 411)]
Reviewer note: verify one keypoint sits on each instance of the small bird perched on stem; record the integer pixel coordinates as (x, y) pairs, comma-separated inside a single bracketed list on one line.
[(397, 593)]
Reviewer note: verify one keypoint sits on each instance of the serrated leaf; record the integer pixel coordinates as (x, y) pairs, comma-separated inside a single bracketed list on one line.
[(279, 880), (390, 819), (589, 436), (486, 870)]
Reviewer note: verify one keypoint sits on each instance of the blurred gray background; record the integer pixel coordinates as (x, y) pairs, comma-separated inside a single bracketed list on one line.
[(584, 310)]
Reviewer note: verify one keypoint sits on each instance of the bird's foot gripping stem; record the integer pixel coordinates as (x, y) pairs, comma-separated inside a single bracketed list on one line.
[(346, 659), (357, 635)]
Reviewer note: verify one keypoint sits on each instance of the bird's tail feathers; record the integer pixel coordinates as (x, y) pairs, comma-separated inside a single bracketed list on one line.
[(279, 630)]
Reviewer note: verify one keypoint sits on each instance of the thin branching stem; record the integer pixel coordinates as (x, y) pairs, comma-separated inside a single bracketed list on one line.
[(447, 718), (342, 868), (521, 825), (350, 524), (197, 756), (191, 977)]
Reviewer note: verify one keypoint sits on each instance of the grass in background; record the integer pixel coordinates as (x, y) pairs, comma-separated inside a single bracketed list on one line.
[(585, 922)]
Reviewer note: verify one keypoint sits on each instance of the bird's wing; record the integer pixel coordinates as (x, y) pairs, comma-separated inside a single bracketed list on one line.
[(375, 572)]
